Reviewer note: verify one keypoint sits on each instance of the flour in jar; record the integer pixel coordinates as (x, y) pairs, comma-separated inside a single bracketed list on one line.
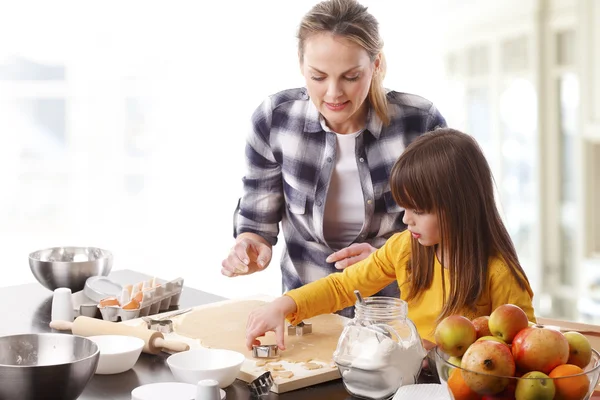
[(375, 366)]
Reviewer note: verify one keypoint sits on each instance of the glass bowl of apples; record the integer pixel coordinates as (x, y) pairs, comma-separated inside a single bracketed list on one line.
[(563, 382)]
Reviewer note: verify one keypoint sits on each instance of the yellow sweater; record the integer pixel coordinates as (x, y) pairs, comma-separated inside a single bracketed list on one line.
[(387, 264)]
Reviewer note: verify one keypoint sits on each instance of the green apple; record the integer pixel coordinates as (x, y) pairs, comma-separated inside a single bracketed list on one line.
[(580, 349), (535, 385), (494, 338), (454, 361)]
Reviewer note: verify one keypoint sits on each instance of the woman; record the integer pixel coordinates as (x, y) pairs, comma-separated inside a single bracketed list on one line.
[(319, 158)]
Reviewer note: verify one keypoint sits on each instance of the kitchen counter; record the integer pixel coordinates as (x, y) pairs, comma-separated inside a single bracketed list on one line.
[(27, 308)]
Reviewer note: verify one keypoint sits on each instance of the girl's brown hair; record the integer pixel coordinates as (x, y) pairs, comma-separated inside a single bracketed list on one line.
[(445, 172), (350, 19)]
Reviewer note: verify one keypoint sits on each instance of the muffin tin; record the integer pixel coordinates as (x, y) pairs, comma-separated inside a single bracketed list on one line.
[(135, 300)]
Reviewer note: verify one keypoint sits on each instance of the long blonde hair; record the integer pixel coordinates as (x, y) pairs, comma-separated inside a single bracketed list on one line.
[(445, 172), (350, 19)]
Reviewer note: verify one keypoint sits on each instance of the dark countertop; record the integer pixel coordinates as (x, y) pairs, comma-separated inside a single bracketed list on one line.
[(33, 315)]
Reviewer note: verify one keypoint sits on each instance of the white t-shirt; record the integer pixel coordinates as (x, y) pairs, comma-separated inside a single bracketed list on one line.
[(344, 207)]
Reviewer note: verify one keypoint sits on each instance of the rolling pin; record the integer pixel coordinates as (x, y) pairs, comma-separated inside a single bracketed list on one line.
[(154, 341)]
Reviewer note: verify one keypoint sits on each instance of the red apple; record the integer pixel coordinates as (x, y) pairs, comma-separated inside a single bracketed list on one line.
[(454, 334), (506, 321), (540, 349), (507, 394), (481, 326), (493, 363), (580, 349), (535, 385)]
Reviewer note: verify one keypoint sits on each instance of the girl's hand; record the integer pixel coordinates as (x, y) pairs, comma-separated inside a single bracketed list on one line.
[(427, 344), (269, 318), (350, 255), (251, 253)]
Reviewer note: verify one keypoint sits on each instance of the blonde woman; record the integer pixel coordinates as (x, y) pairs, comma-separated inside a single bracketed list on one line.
[(319, 157)]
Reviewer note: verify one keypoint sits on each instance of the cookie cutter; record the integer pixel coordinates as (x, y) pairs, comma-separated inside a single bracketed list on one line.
[(301, 329), (265, 351), (163, 324), (261, 385)]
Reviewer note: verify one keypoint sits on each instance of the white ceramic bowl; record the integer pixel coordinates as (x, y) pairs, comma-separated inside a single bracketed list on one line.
[(117, 353), (195, 365)]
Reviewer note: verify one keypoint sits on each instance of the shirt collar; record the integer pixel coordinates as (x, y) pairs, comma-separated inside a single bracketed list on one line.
[(312, 120)]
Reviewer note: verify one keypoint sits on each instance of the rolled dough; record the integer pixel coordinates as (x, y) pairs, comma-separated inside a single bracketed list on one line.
[(224, 327)]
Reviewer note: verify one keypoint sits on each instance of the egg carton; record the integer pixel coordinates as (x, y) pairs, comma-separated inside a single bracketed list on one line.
[(141, 300)]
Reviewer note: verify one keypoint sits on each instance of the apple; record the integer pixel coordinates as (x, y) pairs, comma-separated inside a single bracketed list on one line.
[(580, 349), (456, 361), (540, 349), (494, 338), (481, 326), (507, 394), (506, 321), (535, 385), (454, 334), (491, 364)]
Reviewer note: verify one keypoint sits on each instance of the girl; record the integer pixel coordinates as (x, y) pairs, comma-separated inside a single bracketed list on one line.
[(456, 257)]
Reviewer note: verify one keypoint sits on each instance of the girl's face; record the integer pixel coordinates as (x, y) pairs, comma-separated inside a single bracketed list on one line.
[(423, 226), (338, 75)]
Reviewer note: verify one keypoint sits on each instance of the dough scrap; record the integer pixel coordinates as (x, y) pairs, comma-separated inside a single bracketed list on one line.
[(311, 366)]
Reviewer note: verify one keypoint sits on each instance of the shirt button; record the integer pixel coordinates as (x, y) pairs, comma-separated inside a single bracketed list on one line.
[(369, 201), (319, 203), (328, 159), (361, 159)]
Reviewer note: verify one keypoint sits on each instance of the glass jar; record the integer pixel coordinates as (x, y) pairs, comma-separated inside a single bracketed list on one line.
[(379, 350)]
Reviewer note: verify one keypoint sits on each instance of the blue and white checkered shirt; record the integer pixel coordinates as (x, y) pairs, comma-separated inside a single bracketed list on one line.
[(290, 157)]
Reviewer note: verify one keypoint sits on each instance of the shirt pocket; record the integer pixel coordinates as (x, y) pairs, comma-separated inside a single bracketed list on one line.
[(391, 206), (295, 200)]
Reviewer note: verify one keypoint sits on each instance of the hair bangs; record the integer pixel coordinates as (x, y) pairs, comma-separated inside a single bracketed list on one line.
[(409, 189)]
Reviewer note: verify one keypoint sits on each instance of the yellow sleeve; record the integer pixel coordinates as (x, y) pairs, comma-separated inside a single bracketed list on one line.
[(336, 291), (504, 289)]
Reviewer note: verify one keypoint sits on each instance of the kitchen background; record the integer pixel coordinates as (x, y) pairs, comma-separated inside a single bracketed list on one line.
[(122, 126)]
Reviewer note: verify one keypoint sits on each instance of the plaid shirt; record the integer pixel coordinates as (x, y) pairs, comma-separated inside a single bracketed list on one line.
[(290, 156)]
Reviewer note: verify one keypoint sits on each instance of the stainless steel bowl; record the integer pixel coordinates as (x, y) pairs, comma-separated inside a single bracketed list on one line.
[(69, 266), (46, 366)]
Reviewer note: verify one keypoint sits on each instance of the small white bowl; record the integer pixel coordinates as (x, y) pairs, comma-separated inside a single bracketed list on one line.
[(195, 365), (117, 353)]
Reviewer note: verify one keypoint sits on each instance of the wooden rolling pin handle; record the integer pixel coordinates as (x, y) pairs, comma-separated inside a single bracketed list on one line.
[(61, 325), (169, 345)]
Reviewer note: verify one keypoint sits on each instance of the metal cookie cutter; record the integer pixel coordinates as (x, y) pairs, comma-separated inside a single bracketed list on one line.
[(163, 324), (261, 385), (301, 329), (265, 351)]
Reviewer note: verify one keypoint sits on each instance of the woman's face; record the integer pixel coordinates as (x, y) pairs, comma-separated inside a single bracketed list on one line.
[(338, 75)]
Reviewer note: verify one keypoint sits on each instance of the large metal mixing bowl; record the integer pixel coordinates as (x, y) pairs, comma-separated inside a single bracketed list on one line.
[(69, 266), (46, 366)]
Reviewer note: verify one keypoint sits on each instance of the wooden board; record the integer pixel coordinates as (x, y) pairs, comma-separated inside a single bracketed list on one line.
[(230, 316)]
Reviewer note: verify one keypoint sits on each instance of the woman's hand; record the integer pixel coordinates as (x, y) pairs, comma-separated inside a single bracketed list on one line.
[(269, 318), (251, 253), (350, 255)]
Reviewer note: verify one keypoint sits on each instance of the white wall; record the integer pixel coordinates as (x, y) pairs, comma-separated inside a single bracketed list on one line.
[(203, 70)]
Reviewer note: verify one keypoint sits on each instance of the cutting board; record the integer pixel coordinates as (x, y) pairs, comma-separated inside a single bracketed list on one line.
[(222, 325)]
